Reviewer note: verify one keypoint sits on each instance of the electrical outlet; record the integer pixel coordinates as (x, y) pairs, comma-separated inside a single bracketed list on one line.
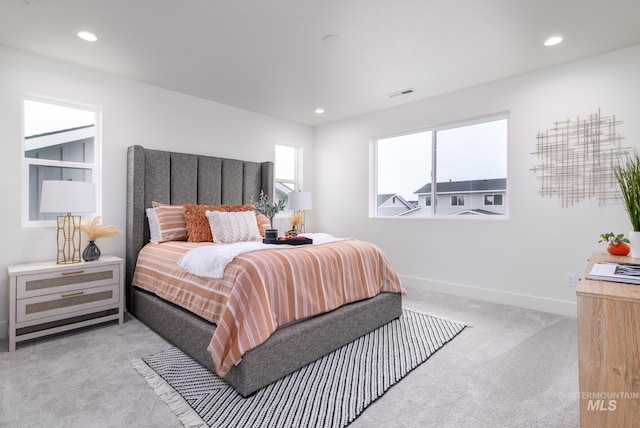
[(572, 280)]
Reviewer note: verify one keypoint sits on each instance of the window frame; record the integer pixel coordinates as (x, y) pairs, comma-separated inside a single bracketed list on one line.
[(435, 129), (95, 167)]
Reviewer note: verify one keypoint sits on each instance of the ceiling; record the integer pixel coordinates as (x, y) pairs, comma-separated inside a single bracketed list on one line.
[(268, 56)]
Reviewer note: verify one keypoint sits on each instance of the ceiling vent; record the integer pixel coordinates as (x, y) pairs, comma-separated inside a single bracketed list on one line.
[(403, 92)]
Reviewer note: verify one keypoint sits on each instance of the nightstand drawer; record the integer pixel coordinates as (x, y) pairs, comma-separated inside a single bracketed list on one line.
[(73, 278), (67, 302)]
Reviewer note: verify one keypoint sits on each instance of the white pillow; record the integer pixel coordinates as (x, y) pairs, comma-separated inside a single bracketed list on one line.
[(229, 227), (154, 227)]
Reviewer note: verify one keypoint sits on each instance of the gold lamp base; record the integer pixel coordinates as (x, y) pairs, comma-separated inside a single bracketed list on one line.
[(301, 214), (69, 239)]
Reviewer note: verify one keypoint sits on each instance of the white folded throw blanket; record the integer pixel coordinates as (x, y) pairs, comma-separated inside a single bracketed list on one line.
[(210, 261)]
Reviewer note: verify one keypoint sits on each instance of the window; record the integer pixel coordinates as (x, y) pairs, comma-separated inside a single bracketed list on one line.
[(464, 163), (457, 201), (61, 142), (493, 199), (287, 174)]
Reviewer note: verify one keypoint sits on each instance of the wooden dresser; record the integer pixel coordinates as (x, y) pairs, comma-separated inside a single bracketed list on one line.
[(609, 350)]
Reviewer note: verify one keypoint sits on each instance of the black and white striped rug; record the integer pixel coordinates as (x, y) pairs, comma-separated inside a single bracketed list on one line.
[(330, 392)]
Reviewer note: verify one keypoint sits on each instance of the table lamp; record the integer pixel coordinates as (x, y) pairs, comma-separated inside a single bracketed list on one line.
[(67, 196), (299, 201)]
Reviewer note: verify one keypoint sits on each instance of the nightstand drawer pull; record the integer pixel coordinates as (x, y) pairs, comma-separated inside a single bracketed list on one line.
[(75, 272), (77, 293)]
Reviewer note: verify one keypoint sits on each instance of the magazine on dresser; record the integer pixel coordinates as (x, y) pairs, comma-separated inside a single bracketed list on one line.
[(615, 271)]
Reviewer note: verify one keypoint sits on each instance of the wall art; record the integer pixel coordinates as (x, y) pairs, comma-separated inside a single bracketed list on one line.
[(576, 158)]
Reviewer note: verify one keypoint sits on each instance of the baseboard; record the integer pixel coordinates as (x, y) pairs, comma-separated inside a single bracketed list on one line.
[(3, 330), (544, 304)]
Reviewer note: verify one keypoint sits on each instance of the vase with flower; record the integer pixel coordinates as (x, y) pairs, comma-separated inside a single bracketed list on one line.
[(616, 244), (296, 222), (93, 230)]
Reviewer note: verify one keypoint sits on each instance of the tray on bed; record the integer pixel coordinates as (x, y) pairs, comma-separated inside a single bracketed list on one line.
[(290, 241)]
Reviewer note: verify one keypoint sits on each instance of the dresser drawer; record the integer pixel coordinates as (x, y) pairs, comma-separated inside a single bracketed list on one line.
[(50, 305), (64, 280)]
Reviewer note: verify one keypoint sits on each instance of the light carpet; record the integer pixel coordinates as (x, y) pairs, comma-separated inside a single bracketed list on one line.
[(329, 392)]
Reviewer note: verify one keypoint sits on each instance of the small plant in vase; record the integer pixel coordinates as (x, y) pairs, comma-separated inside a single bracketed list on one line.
[(93, 230), (269, 209), (296, 222), (616, 244)]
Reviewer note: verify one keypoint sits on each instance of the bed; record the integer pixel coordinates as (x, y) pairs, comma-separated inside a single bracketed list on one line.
[(179, 178)]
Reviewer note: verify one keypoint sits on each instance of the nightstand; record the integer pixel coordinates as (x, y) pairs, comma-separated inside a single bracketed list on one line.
[(47, 298)]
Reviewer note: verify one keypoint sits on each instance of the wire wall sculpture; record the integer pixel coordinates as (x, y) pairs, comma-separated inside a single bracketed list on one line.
[(576, 159)]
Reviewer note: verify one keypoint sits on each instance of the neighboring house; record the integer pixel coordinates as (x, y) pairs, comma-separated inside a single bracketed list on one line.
[(49, 150), (392, 205), (282, 191), (472, 197)]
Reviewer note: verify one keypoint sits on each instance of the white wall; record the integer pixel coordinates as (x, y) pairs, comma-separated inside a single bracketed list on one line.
[(132, 113), (524, 260)]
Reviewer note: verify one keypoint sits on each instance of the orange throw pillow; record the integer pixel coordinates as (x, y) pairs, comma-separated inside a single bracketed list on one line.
[(198, 227)]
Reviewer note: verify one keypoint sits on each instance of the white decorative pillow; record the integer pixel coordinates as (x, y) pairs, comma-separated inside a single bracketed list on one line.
[(233, 227), (154, 228)]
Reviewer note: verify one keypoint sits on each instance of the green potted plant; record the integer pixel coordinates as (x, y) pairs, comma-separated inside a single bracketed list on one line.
[(627, 173), (269, 209)]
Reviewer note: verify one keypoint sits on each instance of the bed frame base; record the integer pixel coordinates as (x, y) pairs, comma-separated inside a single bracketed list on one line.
[(288, 349)]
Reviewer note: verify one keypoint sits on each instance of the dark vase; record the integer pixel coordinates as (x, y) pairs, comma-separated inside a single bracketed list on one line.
[(91, 253)]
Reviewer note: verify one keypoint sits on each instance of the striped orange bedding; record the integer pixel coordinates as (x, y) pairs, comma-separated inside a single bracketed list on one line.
[(263, 290)]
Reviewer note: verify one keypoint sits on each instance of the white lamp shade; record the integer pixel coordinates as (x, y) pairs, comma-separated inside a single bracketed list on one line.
[(299, 201), (66, 196)]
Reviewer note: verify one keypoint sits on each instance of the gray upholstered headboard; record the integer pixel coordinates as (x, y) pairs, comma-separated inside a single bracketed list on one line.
[(179, 178)]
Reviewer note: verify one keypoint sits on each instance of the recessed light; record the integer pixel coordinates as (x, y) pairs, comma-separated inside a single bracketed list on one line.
[(85, 35), (319, 110), (553, 40)]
